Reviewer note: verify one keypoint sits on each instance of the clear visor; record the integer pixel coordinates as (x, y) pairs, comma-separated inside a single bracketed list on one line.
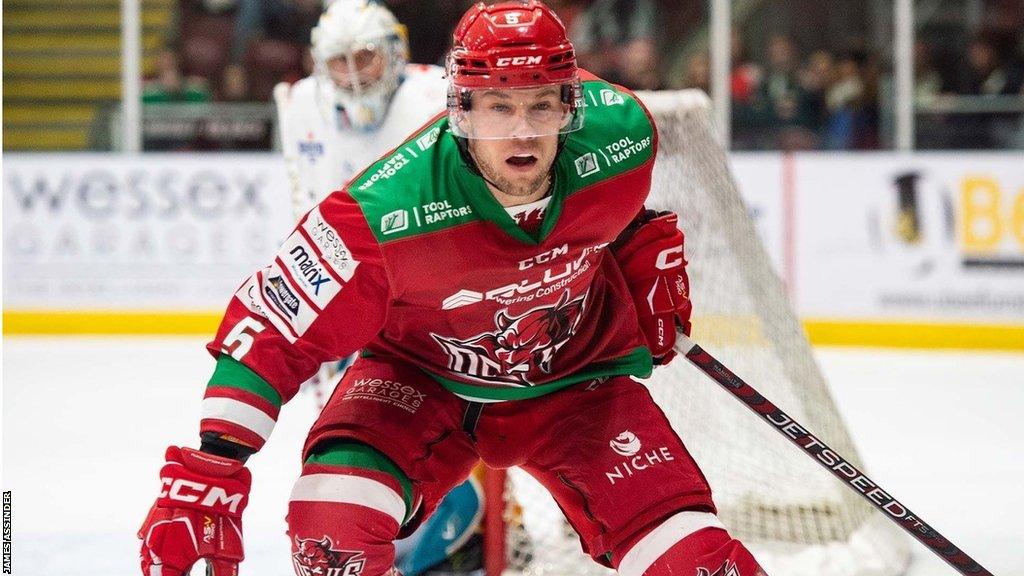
[(358, 70), (493, 114)]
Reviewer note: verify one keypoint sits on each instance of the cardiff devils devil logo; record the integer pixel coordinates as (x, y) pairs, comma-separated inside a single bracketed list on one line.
[(520, 344), (317, 558), (726, 569)]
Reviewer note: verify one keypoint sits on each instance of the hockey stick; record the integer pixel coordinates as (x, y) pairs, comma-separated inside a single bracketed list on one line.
[(833, 462)]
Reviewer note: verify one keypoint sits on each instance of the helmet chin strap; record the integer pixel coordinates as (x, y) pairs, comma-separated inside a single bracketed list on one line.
[(470, 162)]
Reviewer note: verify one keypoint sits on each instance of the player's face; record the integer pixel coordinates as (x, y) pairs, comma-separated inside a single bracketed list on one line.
[(518, 165), (362, 68)]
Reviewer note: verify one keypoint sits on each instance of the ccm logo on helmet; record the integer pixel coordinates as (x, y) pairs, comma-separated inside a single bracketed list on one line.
[(187, 491), (518, 61)]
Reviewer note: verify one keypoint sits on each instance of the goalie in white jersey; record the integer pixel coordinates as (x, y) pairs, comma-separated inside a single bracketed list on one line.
[(362, 100)]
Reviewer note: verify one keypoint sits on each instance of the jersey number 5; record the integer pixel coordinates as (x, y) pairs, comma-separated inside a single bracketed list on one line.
[(240, 339)]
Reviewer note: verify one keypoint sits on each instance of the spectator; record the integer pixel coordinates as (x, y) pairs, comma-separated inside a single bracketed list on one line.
[(698, 72), (989, 73), (268, 46), (430, 24), (746, 75), (744, 85), (615, 40), (194, 52), (843, 100), (170, 86), (927, 80), (816, 79), (780, 104)]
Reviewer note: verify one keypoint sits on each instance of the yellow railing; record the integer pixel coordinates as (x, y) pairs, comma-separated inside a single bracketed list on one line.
[(831, 332)]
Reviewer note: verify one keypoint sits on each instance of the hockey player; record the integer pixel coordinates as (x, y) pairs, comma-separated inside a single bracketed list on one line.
[(482, 336), (363, 99)]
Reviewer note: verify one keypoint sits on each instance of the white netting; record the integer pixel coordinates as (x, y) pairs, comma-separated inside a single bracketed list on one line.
[(798, 519)]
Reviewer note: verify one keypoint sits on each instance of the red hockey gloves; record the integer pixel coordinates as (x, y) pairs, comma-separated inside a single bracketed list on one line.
[(650, 254), (197, 515)]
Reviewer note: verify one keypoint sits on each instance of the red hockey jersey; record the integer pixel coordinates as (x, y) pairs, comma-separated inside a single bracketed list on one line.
[(416, 259)]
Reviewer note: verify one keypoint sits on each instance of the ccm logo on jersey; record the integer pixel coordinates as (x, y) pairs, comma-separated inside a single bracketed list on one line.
[(518, 61), (182, 490)]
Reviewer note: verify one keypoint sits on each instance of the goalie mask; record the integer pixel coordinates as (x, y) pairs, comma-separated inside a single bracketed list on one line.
[(359, 53), (512, 74)]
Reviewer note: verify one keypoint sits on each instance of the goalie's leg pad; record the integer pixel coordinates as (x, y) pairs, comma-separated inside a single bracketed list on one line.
[(346, 510), (452, 524), (691, 544)]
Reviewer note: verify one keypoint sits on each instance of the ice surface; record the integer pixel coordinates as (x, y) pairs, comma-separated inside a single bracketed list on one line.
[(85, 422)]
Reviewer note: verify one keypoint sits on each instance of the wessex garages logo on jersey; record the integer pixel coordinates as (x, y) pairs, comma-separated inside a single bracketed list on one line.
[(330, 244)]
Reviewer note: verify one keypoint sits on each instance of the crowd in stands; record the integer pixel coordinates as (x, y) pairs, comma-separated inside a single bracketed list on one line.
[(784, 97), (822, 100)]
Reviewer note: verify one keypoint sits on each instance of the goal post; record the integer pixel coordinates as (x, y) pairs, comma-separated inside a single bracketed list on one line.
[(797, 519)]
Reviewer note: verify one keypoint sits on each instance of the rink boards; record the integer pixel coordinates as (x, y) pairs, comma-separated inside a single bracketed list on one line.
[(923, 249)]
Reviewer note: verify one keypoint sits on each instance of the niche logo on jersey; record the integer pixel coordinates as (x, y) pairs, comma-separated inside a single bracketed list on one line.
[(626, 444), (319, 558), (281, 296), (726, 569), (520, 345)]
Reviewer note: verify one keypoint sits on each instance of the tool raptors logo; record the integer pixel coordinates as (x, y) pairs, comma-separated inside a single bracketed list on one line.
[(317, 558), (520, 344)]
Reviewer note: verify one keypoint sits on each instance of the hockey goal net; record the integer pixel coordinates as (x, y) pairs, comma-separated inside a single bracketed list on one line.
[(798, 519)]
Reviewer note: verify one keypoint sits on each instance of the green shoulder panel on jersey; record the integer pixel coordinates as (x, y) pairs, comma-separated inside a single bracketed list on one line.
[(617, 136), (413, 189), (424, 185)]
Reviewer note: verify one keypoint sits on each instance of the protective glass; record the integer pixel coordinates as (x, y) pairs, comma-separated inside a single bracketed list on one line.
[(357, 71), (493, 114)]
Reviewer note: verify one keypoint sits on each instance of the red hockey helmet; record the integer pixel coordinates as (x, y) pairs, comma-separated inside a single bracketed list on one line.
[(512, 73)]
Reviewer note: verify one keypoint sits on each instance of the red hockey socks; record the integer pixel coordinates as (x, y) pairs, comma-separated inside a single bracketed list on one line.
[(343, 519), (689, 544)]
